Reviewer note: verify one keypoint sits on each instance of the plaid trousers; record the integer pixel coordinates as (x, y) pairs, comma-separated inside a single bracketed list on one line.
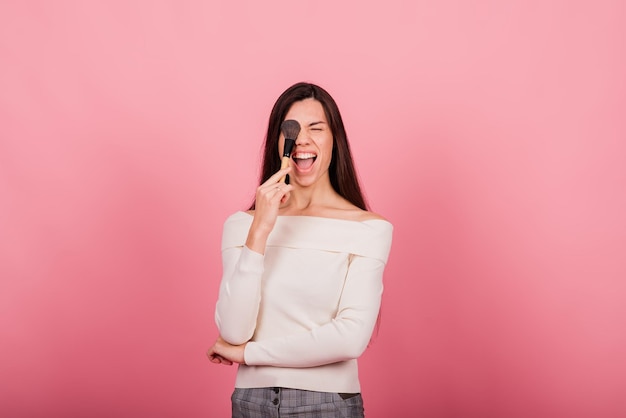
[(277, 402)]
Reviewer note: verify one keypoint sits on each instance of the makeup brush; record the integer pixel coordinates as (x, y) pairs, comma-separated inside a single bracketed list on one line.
[(290, 129)]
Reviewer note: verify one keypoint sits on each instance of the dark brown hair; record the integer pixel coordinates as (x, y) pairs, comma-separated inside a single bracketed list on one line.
[(341, 170)]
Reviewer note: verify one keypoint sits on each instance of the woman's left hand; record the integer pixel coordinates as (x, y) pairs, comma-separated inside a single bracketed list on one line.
[(224, 353)]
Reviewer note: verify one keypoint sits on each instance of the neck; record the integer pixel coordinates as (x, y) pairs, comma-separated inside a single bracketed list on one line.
[(304, 198)]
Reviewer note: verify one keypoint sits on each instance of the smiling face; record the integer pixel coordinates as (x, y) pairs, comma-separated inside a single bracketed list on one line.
[(313, 150)]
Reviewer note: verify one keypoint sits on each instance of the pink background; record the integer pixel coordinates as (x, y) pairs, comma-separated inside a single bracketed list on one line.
[(491, 133)]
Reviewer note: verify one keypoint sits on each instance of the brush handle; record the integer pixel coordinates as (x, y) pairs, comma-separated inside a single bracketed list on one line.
[(284, 164), (289, 143)]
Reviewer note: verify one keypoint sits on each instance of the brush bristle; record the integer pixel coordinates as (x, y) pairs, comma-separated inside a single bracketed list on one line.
[(290, 128)]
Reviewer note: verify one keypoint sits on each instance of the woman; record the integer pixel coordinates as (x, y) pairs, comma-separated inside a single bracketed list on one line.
[(302, 272)]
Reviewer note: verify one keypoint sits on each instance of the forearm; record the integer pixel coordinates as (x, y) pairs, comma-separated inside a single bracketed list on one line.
[(257, 237), (240, 295), (330, 343), (345, 337)]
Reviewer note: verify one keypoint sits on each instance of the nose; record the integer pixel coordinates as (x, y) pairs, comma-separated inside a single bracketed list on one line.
[(303, 138)]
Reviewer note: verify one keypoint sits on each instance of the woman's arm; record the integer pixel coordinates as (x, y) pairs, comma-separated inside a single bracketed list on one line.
[(343, 338), (223, 353), (240, 289), (239, 297)]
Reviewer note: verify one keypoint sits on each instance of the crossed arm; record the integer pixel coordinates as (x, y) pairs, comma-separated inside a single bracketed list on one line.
[(344, 337)]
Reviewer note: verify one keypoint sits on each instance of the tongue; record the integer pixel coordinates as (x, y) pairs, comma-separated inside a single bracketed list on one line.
[(304, 164)]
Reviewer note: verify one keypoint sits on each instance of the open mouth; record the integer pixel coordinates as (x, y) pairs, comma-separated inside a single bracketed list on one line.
[(304, 160)]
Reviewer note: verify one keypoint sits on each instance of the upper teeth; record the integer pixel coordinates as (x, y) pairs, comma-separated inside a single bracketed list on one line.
[(304, 155)]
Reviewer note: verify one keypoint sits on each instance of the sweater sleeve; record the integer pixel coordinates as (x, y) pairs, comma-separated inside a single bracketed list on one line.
[(239, 296), (345, 337)]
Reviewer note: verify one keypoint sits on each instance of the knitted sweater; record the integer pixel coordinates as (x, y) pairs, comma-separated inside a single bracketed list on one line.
[(308, 306)]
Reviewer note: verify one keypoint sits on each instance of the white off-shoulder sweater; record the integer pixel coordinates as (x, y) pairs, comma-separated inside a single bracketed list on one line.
[(307, 308)]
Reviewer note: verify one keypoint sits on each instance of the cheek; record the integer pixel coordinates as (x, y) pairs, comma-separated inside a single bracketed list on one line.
[(328, 154), (330, 145), (325, 143)]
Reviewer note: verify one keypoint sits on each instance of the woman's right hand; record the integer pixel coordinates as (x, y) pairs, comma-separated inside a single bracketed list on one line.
[(224, 353), (269, 196)]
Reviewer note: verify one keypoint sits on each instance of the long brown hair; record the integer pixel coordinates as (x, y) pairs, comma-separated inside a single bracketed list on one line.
[(341, 171)]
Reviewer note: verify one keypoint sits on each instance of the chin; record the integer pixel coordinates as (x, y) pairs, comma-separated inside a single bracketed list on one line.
[(303, 182)]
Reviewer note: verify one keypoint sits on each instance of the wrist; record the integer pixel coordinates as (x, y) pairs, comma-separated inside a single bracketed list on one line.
[(257, 239)]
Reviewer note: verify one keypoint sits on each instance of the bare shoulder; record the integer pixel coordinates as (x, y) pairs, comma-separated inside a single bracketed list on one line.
[(365, 215), (350, 212), (354, 213)]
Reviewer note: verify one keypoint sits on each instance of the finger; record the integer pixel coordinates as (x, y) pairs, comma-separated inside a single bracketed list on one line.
[(217, 359), (270, 190), (281, 190), (222, 360), (277, 176), (212, 354)]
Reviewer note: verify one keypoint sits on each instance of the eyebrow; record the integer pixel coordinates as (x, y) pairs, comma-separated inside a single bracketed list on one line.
[(316, 123)]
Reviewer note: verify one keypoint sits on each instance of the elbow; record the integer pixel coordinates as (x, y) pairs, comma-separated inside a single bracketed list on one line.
[(235, 338), (357, 333), (232, 334), (355, 348), (356, 341)]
